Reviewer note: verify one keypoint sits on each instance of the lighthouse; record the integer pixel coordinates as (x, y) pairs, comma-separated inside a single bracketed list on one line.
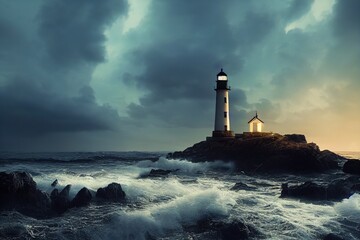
[(222, 111)]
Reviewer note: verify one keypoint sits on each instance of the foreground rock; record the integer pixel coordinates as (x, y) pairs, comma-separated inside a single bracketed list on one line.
[(158, 173), (264, 153), (113, 192), (18, 191), (332, 236), (242, 186), (335, 191), (352, 166), (60, 202), (234, 230), (82, 198)]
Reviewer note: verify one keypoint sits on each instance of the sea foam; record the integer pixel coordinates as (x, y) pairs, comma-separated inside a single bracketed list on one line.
[(162, 219)]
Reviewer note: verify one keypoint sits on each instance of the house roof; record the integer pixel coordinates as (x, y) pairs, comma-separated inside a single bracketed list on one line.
[(255, 117)]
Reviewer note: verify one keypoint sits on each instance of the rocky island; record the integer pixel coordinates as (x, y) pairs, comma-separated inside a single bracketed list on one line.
[(264, 152)]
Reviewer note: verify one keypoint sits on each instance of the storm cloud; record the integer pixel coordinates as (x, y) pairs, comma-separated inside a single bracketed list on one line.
[(68, 69), (47, 67)]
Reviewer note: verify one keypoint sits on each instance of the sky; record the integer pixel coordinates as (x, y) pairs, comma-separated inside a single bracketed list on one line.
[(125, 75)]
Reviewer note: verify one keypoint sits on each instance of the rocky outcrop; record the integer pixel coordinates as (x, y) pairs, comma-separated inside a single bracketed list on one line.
[(242, 186), (60, 202), (18, 191), (352, 166), (159, 173), (82, 198), (335, 191), (297, 138), (113, 192), (332, 236), (54, 183), (234, 231), (264, 153)]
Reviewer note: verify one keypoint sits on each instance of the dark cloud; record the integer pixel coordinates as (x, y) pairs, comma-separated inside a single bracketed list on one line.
[(344, 56), (238, 98), (27, 110), (182, 55), (347, 19), (49, 50), (73, 31), (298, 8), (48, 62)]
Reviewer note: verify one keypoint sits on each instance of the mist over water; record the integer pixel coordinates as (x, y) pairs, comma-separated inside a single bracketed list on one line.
[(170, 207)]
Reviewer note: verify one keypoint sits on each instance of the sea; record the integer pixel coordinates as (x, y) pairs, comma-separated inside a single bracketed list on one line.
[(171, 207)]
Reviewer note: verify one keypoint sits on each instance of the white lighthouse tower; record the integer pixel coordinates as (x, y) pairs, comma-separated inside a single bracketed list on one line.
[(222, 112)]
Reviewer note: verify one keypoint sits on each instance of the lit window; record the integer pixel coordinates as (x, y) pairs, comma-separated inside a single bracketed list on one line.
[(222, 78)]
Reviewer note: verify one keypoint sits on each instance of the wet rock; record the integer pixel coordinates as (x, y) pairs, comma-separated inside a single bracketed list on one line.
[(332, 236), (18, 191), (307, 190), (234, 231), (336, 190), (242, 186), (352, 166), (54, 183), (16, 183), (82, 198), (60, 202), (113, 192), (264, 153), (339, 189), (159, 173)]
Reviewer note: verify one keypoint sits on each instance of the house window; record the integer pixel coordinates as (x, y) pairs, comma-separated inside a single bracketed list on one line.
[(225, 114), (225, 100)]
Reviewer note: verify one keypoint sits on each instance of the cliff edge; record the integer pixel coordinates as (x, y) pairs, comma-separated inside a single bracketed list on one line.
[(263, 152)]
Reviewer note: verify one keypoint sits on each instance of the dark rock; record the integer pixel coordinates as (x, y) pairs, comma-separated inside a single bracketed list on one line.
[(16, 183), (241, 186), (352, 166), (54, 183), (148, 236), (113, 192), (159, 173), (298, 138), (332, 236), (234, 231), (336, 190), (339, 189), (356, 187), (307, 190), (18, 191), (82, 198), (60, 202), (263, 153)]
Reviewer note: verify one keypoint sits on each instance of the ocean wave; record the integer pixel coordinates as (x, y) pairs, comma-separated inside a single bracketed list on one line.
[(163, 219), (81, 157), (350, 208), (185, 165)]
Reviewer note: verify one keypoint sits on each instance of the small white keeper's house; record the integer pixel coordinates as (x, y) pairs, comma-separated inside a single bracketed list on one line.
[(256, 124)]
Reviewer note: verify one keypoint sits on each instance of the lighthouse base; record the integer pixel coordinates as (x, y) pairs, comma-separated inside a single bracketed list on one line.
[(223, 134)]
